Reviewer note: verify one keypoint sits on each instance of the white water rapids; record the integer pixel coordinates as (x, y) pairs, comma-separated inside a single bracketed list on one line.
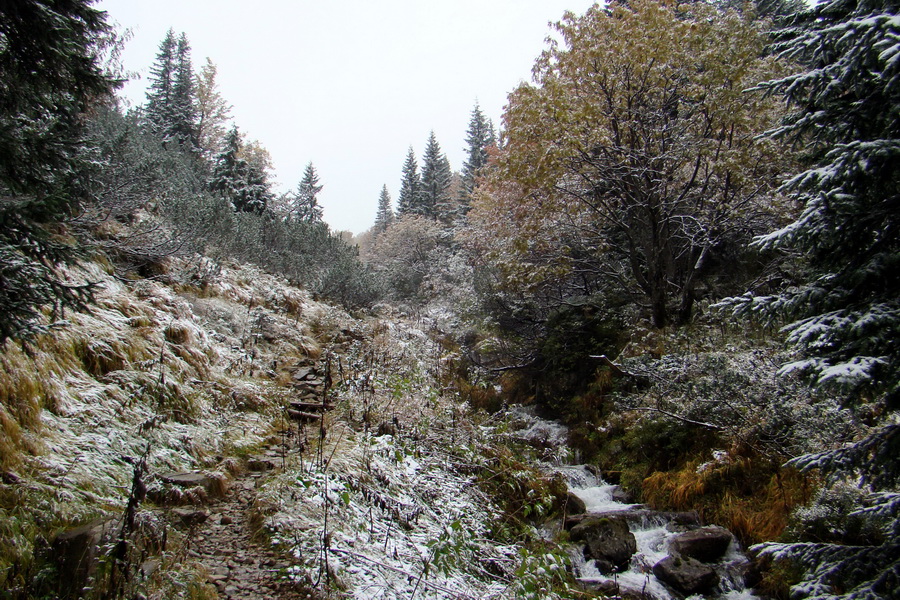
[(652, 531)]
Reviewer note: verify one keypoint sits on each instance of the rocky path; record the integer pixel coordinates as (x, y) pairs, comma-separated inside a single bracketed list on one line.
[(240, 566)]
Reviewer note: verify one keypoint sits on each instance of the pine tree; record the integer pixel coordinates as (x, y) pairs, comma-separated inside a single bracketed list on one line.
[(435, 201), (479, 137), (306, 207), (846, 316), (185, 117), (385, 216), (242, 183), (171, 108), (410, 186), (160, 96), (50, 76)]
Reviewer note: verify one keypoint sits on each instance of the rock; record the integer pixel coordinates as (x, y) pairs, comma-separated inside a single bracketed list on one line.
[(190, 517), (226, 520), (76, 553), (213, 485), (620, 495), (260, 464), (302, 373), (639, 515), (686, 575), (707, 544), (607, 540), (574, 505), (613, 589)]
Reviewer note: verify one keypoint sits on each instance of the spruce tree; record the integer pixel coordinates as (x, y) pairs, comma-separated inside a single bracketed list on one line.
[(171, 108), (50, 77), (479, 137), (306, 207), (242, 183), (385, 216), (435, 201), (160, 96), (410, 186), (845, 318), (185, 118)]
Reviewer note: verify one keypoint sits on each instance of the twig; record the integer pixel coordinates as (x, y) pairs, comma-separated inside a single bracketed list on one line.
[(680, 418)]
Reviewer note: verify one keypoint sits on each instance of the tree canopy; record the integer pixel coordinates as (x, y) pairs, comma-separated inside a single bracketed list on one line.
[(634, 158)]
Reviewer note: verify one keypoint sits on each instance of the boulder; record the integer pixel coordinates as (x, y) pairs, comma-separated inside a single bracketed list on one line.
[(613, 589), (260, 464), (77, 552), (619, 494), (574, 505), (686, 575), (707, 544), (607, 540)]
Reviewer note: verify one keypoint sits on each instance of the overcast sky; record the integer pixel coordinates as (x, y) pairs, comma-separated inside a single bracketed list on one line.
[(349, 84)]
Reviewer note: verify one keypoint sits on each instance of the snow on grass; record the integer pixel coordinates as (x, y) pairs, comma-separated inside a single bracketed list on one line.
[(399, 514)]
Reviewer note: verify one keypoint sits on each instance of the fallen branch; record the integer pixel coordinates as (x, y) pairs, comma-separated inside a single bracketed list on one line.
[(680, 418)]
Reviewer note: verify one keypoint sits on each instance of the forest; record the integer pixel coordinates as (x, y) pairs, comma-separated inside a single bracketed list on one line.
[(671, 271)]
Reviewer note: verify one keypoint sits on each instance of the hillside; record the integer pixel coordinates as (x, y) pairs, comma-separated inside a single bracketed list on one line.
[(169, 375)]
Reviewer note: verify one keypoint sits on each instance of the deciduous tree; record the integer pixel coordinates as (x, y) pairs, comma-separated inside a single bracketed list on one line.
[(213, 112), (634, 158)]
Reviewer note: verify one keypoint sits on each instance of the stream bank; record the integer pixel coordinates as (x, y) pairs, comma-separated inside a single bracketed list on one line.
[(627, 550)]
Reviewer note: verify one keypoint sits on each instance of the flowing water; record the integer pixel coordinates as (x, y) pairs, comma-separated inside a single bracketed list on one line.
[(652, 530)]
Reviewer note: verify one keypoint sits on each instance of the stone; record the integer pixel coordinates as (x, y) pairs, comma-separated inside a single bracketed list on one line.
[(190, 516), (607, 540), (574, 505), (686, 575), (260, 464), (302, 373), (707, 544), (619, 494), (613, 589), (213, 485), (76, 553)]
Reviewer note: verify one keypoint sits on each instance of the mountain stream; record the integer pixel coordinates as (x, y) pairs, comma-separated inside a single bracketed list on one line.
[(659, 538)]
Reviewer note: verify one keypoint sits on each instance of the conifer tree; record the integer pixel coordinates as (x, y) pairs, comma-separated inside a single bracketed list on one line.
[(435, 201), (479, 137), (305, 208), (242, 183), (846, 316), (410, 186), (184, 98), (385, 216), (158, 109), (50, 76), (171, 108)]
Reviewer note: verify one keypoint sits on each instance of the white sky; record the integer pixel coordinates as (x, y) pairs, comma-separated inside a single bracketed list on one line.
[(350, 84)]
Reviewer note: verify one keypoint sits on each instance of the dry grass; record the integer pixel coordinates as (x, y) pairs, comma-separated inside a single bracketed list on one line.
[(751, 497)]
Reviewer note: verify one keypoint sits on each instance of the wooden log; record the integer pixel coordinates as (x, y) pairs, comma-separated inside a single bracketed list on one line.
[(299, 415), (310, 406)]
